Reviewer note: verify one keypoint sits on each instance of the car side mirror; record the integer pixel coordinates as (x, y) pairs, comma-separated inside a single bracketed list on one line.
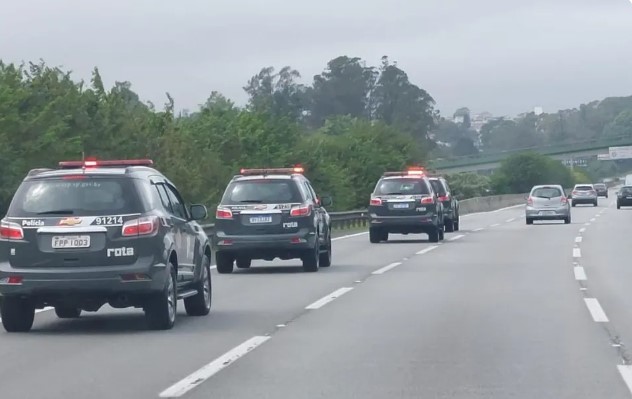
[(198, 212), (326, 201)]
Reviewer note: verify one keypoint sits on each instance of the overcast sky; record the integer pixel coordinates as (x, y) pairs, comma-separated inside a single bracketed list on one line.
[(502, 56)]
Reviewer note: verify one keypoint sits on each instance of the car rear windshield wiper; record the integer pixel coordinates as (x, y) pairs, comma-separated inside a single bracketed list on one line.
[(393, 194), (542, 196), (254, 201), (57, 212)]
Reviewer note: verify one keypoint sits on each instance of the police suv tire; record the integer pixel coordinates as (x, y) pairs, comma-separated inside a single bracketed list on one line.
[(200, 304), (595, 203), (17, 314), (375, 236), (433, 236), (618, 206), (224, 263), (243, 263), (441, 233), (449, 225), (67, 312), (457, 223), (529, 221), (385, 236), (161, 309), (311, 258), (567, 220), (325, 257)]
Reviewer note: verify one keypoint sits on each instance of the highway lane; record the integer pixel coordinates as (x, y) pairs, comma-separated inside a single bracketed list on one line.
[(109, 354), (497, 314)]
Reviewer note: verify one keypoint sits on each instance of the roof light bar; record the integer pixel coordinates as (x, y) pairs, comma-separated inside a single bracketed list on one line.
[(409, 172), (276, 171), (121, 163)]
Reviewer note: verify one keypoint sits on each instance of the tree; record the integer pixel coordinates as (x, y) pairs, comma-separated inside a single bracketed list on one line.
[(519, 173), (277, 93)]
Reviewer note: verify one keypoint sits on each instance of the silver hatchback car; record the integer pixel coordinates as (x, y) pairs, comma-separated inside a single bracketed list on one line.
[(547, 202), (584, 194)]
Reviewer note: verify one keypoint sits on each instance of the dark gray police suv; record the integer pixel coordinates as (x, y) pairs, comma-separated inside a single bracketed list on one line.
[(97, 232), (405, 202), (268, 214)]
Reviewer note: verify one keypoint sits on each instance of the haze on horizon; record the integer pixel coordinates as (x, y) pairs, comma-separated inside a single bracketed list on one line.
[(505, 57)]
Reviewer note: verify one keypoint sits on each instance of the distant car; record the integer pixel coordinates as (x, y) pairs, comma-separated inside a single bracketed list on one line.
[(405, 203), (97, 232), (624, 197), (449, 201), (602, 190), (547, 202), (272, 213), (584, 194)]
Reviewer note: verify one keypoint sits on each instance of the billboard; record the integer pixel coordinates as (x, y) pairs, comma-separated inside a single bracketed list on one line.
[(604, 157), (620, 152)]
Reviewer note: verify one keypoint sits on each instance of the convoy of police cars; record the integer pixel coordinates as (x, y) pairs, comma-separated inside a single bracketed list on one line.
[(118, 232)]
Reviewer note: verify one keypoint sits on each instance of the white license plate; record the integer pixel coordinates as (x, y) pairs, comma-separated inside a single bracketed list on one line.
[(547, 213), (60, 242), (400, 206), (260, 219)]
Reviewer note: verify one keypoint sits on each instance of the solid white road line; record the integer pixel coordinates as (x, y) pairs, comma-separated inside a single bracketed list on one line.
[(349, 236), (580, 273), (387, 268), (426, 250), (578, 239), (198, 377), (510, 220), (325, 300), (577, 253), (479, 229), (582, 229), (626, 373), (457, 237), (597, 313)]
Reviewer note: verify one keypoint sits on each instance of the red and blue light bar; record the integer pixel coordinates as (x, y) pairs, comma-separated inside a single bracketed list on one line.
[(93, 163), (412, 171), (272, 171)]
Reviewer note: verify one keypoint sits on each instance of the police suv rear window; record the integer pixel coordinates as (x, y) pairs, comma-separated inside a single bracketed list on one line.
[(264, 191), (438, 187), (82, 197), (403, 186)]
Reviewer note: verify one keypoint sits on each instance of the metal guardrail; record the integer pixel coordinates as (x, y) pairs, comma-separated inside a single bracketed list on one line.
[(339, 220)]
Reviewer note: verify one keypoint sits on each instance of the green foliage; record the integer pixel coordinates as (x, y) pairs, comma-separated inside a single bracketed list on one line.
[(518, 173), (469, 185)]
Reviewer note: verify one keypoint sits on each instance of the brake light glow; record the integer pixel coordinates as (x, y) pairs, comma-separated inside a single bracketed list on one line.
[(223, 213), (444, 198), (376, 202), (303, 210), (427, 200), (530, 201), (112, 163), (11, 231), (141, 227), (416, 171), (564, 200), (575, 192), (268, 171), (12, 280)]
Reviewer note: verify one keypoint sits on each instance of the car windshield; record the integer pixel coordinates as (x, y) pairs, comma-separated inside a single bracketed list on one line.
[(401, 186), (547, 192), (85, 197), (583, 188), (264, 191)]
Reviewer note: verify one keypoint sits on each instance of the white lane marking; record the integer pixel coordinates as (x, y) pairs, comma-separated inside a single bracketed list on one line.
[(577, 253), (510, 220), (479, 229), (587, 224), (387, 268), (578, 239), (597, 313), (349, 236), (580, 273), (213, 267), (497, 210), (593, 219), (198, 377), (626, 374), (598, 215), (495, 225), (457, 237), (39, 311), (325, 300), (426, 250), (582, 229)]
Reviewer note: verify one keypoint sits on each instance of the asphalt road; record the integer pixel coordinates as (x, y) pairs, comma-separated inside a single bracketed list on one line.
[(499, 310)]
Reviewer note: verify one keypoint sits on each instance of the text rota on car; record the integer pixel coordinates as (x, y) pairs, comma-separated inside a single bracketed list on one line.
[(272, 213), (405, 203), (97, 232)]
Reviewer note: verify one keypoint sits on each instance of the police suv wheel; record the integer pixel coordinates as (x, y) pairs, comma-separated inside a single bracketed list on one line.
[(243, 263), (325, 257), (457, 222), (441, 233), (433, 235), (311, 258), (17, 314), (200, 304), (375, 235), (160, 311), (67, 312), (449, 225)]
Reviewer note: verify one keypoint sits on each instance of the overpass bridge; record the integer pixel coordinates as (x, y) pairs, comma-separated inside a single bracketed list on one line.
[(488, 162)]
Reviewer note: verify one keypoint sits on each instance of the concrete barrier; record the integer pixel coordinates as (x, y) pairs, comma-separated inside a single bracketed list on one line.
[(491, 203)]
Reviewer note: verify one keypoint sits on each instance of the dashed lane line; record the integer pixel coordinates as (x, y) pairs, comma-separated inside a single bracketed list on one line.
[(577, 253), (626, 374), (583, 229), (495, 225), (198, 377), (479, 229), (325, 300), (510, 220), (578, 239), (426, 250), (596, 311), (387, 268), (457, 237), (580, 273)]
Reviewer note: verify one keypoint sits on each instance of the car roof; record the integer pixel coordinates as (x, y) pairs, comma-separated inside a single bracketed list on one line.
[(260, 177), (584, 184), (546, 186), (131, 171)]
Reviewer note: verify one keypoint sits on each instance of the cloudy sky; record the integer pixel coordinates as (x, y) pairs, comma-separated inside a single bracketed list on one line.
[(503, 56)]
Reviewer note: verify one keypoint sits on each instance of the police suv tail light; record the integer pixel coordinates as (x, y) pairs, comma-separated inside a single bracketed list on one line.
[(141, 227), (428, 200), (303, 210), (444, 198), (376, 201), (223, 213), (11, 231)]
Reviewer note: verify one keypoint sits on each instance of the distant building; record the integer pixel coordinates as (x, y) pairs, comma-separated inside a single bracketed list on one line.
[(538, 111)]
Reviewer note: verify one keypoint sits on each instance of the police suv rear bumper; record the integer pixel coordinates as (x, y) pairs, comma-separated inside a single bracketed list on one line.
[(265, 245), (404, 224), (142, 277)]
